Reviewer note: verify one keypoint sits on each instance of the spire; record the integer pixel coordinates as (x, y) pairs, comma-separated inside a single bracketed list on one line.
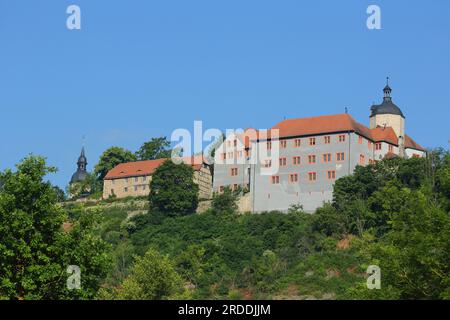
[(82, 160), (387, 91)]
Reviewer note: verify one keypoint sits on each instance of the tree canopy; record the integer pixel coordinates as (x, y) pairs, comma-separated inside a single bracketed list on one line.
[(111, 158)]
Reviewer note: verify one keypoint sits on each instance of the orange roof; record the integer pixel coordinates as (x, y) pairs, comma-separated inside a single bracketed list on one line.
[(147, 167), (319, 125), (339, 123), (386, 134)]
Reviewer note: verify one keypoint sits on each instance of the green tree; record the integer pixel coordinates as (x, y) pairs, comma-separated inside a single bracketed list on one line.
[(225, 202), (111, 158), (172, 189), (35, 250), (156, 148), (152, 277)]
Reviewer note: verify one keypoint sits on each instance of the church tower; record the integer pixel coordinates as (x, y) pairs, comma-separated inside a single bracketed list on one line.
[(80, 174), (387, 114)]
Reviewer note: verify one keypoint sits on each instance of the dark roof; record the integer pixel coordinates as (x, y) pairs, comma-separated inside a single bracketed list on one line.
[(386, 107), (78, 176)]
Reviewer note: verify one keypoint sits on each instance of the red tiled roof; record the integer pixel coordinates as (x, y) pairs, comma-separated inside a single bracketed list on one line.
[(339, 123), (147, 167)]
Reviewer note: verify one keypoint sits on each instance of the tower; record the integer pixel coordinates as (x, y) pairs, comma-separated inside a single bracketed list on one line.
[(387, 114), (81, 173)]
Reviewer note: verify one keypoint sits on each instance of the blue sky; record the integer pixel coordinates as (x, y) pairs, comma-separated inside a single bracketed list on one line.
[(140, 69)]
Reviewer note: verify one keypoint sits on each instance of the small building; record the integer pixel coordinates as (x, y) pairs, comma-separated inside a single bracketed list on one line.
[(132, 179)]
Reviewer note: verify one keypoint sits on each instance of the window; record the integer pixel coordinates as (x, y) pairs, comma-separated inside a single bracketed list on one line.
[(126, 180), (341, 138), (144, 187), (223, 156), (296, 160), (282, 162), (326, 157), (221, 189), (312, 176), (275, 179), (136, 179), (312, 141), (230, 154), (327, 139), (125, 189), (415, 155), (135, 188), (331, 174), (378, 146), (312, 159), (362, 159), (283, 144), (112, 191), (239, 154), (269, 145), (235, 186), (391, 148), (267, 163), (360, 140), (235, 142), (297, 143), (113, 181), (340, 156), (293, 177), (234, 172), (144, 178)]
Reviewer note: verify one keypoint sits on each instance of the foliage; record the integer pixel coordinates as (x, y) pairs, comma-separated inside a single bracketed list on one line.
[(152, 277), (111, 158), (34, 248), (156, 148), (225, 202), (172, 189)]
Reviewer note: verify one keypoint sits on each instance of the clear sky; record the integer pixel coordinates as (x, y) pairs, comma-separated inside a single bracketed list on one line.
[(140, 69)]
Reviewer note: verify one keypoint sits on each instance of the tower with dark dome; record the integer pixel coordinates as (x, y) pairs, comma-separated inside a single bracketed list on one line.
[(81, 173), (388, 114)]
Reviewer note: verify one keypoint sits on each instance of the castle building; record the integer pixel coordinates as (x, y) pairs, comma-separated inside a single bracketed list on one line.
[(133, 179), (311, 154)]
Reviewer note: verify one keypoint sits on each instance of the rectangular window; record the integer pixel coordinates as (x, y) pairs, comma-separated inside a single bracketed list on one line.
[(312, 141), (230, 155), (391, 148), (360, 140), (297, 143), (144, 178), (331, 174), (221, 189), (327, 139), (144, 187), (234, 172), (223, 156), (136, 179), (326, 157), (340, 156), (378, 146), (267, 163), (269, 145), (135, 188), (283, 144), (235, 142), (341, 138), (312, 158), (293, 177), (125, 189), (235, 186), (296, 160), (275, 179), (112, 191), (282, 162), (312, 176)]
